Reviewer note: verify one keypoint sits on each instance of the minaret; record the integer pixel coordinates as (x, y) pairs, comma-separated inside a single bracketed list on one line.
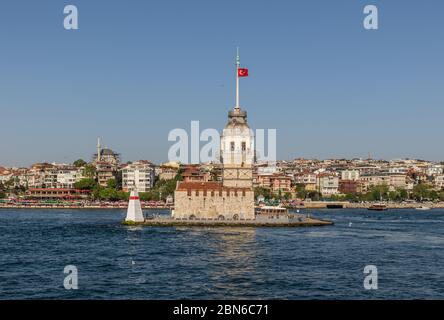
[(98, 149), (134, 213)]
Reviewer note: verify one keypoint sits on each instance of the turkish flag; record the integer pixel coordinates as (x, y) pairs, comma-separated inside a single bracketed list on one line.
[(241, 72)]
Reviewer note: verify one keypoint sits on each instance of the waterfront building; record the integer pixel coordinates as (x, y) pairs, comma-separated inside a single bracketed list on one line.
[(233, 198), (438, 181), (398, 181), (435, 169), (308, 180), (168, 171), (105, 172), (327, 184), (371, 180), (281, 183), (349, 186), (398, 170), (56, 194), (352, 175), (139, 175)]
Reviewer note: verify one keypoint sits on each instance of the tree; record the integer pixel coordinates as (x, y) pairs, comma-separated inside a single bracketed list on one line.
[(421, 191), (301, 192), (86, 184), (79, 163), (287, 196), (403, 194), (259, 191), (2, 195), (393, 195), (108, 194), (379, 192), (89, 171), (111, 184), (314, 195)]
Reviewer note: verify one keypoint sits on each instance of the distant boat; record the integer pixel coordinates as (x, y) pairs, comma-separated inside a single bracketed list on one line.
[(423, 208), (378, 207)]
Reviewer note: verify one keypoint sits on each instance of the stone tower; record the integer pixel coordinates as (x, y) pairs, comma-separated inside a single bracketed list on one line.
[(237, 145)]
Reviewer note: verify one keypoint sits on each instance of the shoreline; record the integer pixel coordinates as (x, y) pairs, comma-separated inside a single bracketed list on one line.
[(78, 207), (170, 222), (309, 205)]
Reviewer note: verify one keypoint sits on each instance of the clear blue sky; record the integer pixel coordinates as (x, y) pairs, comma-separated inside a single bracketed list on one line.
[(137, 69)]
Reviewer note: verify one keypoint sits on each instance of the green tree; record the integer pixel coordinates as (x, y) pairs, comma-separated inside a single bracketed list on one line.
[(433, 195), (264, 192), (89, 171), (301, 192), (79, 163), (421, 191), (314, 195), (379, 192), (393, 195), (350, 197), (111, 184), (287, 196), (403, 194), (2, 194), (122, 195), (86, 184)]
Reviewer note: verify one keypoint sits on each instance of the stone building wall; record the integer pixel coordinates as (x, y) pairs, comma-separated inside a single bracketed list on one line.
[(212, 204)]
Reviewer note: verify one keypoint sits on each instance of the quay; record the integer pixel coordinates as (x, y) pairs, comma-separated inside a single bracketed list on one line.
[(296, 221)]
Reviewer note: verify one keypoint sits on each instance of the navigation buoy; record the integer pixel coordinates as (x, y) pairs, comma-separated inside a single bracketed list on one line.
[(134, 213)]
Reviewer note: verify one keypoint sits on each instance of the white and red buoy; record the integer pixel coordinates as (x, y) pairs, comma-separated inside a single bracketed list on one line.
[(134, 213)]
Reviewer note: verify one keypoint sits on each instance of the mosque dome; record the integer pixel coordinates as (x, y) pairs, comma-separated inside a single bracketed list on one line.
[(107, 152)]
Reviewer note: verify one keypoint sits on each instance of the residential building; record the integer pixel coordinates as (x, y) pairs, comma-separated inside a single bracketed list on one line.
[(328, 184), (138, 175), (352, 175)]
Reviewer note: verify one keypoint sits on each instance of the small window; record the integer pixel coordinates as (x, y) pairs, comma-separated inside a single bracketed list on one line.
[(244, 146), (232, 146)]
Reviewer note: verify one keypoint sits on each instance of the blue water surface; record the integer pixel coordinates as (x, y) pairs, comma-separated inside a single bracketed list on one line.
[(120, 262)]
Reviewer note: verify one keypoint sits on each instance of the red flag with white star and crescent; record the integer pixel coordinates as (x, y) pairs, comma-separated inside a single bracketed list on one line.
[(242, 72)]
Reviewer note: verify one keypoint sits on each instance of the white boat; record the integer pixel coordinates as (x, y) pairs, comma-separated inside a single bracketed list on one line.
[(271, 210), (423, 208)]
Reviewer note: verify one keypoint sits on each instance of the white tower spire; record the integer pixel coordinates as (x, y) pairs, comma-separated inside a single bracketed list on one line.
[(237, 79)]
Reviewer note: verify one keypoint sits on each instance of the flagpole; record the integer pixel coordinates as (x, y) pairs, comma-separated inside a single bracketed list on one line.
[(237, 78)]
